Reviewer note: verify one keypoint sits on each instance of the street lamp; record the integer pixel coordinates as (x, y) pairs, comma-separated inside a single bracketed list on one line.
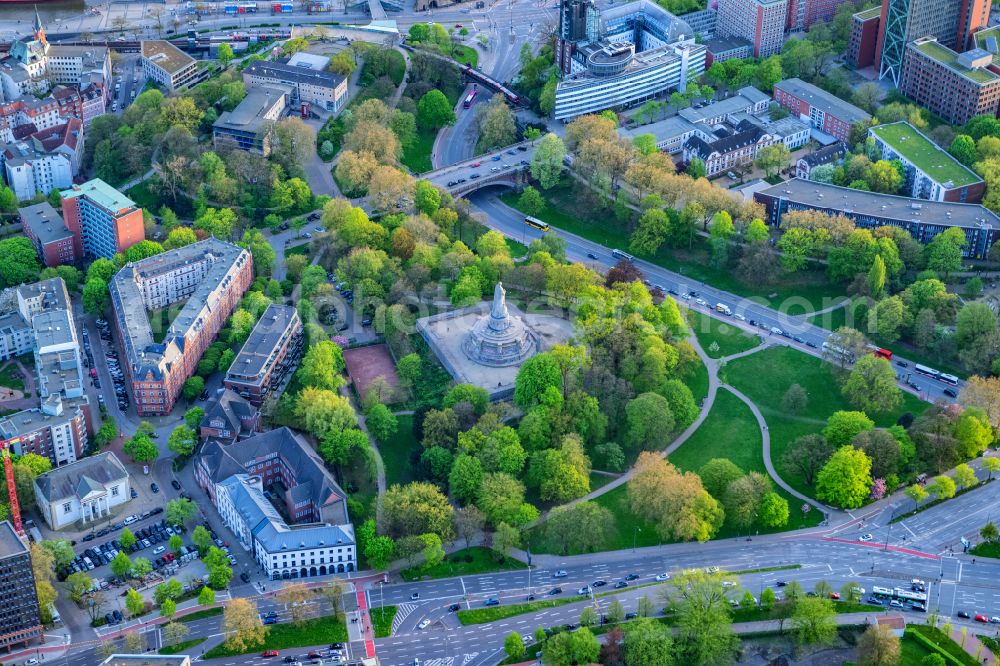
[(634, 534)]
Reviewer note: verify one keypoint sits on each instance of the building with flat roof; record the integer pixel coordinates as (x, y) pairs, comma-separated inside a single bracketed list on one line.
[(270, 354), (20, 620), (621, 56), (760, 22), (952, 22), (931, 172), (245, 127), (317, 540), (803, 13), (37, 162), (702, 22), (147, 660), (209, 277), (103, 221), (721, 49), (863, 37), (306, 84), (818, 108), (166, 64), (52, 240), (957, 87), (923, 219), (87, 490)]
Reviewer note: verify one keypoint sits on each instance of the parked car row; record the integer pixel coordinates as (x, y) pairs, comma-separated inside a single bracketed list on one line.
[(114, 368), (96, 556)]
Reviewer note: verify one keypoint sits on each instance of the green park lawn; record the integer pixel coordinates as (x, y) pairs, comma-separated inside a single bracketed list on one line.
[(728, 338), (418, 155), (764, 377), (11, 377), (571, 210), (465, 55), (465, 562), (316, 631), (698, 383), (382, 620), (396, 453)]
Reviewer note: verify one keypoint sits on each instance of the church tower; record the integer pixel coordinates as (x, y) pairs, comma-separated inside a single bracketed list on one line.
[(39, 30)]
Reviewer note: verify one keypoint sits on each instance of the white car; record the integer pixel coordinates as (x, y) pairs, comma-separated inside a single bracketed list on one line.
[(662, 577), (865, 537), (712, 570), (776, 330), (584, 590), (424, 623), (739, 316), (158, 550), (130, 519), (559, 574), (701, 301), (726, 584)]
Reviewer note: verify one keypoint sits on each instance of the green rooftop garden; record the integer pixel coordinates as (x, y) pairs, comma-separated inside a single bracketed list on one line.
[(983, 35), (949, 58), (870, 13), (918, 149)]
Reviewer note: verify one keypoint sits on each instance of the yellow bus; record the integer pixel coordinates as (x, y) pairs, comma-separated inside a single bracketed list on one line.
[(536, 223)]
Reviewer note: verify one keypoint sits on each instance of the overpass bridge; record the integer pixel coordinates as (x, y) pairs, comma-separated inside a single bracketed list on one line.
[(505, 167)]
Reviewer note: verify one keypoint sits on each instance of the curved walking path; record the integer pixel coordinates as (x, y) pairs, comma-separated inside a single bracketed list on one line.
[(713, 387), (768, 465)]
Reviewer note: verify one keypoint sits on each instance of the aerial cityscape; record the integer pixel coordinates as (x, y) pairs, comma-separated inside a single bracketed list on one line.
[(555, 332)]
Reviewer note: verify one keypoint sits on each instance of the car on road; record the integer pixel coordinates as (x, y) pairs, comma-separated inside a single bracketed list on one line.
[(995, 620), (777, 331), (476, 165), (155, 488), (662, 577), (496, 158), (270, 620), (712, 570), (963, 614), (950, 393), (319, 229), (874, 601), (701, 301), (269, 653), (555, 590), (584, 590), (176, 484), (492, 601), (865, 537), (632, 576), (981, 618), (835, 596), (599, 583), (591, 255), (559, 574), (780, 583), (424, 623), (454, 608), (245, 577), (414, 596), (896, 603), (620, 584)]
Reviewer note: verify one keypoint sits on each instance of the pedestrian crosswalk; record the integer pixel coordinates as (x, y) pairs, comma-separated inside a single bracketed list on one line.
[(402, 610)]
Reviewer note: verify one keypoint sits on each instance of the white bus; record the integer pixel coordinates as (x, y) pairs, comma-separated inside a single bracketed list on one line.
[(618, 254), (948, 379), (927, 372)]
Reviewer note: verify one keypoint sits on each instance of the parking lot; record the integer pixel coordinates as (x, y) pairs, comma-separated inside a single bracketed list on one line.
[(112, 362)]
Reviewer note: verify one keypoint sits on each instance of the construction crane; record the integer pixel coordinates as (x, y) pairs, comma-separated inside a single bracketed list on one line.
[(15, 507)]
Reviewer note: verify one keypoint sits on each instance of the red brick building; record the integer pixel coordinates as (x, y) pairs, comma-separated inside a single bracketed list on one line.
[(825, 112), (210, 277), (53, 241), (863, 38), (956, 87), (103, 220)]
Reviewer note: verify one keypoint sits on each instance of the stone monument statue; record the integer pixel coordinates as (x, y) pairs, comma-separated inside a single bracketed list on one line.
[(498, 339)]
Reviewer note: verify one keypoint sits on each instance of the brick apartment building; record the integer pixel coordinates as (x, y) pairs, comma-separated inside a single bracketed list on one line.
[(53, 241), (760, 22), (210, 276), (956, 87), (268, 356), (102, 220), (825, 112), (863, 38)]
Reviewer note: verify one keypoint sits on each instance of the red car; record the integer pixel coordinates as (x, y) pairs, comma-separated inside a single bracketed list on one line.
[(981, 618), (476, 165), (269, 653), (835, 596)]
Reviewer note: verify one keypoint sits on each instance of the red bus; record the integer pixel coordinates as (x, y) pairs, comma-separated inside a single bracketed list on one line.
[(878, 351), (469, 99)]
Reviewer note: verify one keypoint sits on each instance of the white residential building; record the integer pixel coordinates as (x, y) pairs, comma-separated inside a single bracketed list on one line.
[(86, 491), (167, 65)]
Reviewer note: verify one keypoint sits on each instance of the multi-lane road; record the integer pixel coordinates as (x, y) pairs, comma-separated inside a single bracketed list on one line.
[(810, 337)]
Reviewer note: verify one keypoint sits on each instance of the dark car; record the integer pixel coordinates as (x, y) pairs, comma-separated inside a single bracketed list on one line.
[(453, 608), (963, 614), (492, 601), (89, 537), (591, 255), (902, 364), (245, 577), (950, 393), (555, 590), (117, 614), (780, 583), (631, 616), (155, 488), (176, 484), (134, 494), (632, 577), (203, 395), (620, 584), (523, 149), (599, 583), (109, 618)]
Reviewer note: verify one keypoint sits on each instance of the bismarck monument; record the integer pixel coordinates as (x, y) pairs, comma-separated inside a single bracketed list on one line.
[(487, 348)]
